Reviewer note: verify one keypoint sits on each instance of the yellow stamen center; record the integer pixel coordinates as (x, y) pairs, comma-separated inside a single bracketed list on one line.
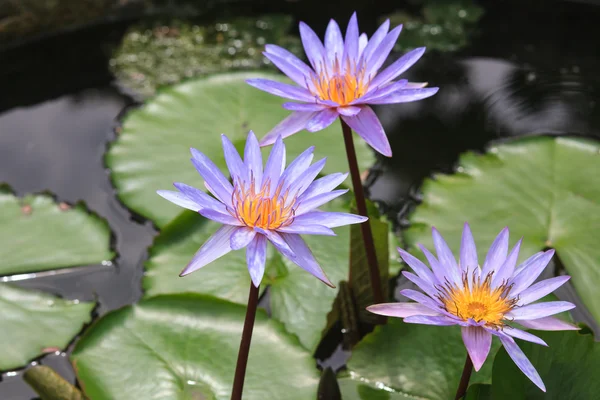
[(339, 86), (478, 300), (261, 209)]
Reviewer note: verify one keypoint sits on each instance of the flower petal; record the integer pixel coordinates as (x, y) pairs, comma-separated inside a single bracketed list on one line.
[(234, 162), (277, 241), (540, 289), (367, 125), (349, 111), (422, 299), (304, 257), (438, 270), (363, 40), (241, 238), (379, 56), (200, 198), (351, 41), (304, 107), (318, 200), (425, 286), (505, 272), (289, 64), (306, 229), (446, 258), (281, 89), (405, 96), (324, 184), (441, 320), (322, 120), (375, 41), (222, 218), (179, 198), (312, 46), (256, 256), (478, 342), (329, 219), (303, 178), (385, 91), (549, 324), (539, 310), (275, 165), (421, 269), (497, 253), (253, 159), (334, 44), (296, 169), (530, 272), (514, 332), (293, 123), (398, 67), (216, 182), (401, 310), (521, 360), (468, 252), (216, 246)]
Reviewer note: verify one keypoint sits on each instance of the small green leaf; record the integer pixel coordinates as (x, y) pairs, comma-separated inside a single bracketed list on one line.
[(185, 347)]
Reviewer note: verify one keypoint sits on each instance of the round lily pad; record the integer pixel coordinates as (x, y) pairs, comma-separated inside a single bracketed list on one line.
[(34, 323), (421, 361), (544, 189), (185, 347), (37, 234), (357, 389), (152, 149)]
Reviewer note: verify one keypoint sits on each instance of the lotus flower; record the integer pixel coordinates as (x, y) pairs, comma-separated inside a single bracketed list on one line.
[(484, 301), (343, 81), (273, 204)]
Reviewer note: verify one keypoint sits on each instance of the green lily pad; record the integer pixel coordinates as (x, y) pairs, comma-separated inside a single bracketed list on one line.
[(152, 150), (185, 347), (417, 360), (37, 234), (479, 391), (34, 323), (544, 189), (356, 389), (569, 367)]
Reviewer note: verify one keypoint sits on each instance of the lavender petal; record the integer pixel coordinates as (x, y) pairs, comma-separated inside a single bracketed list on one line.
[(383, 50), (296, 169), (200, 198), (374, 42), (529, 273), (348, 111), (405, 96), (367, 125), (375, 93), (497, 253), (506, 270), (304, 257), (234, 162), (322, 120), (446, 258), (275, 165), (351, 42), (179, 198), (329, 219), (241, 238), (402, 310), (313, 47), (324, 184), (313, 202), (425, 286), (303, 178), (468, 252), (549, 324), (305, 229), (519, 334), (521, 360), (422, 299), (334, 44), (398, 67), (294, 123), (222, 218), (304, 107), (281, 89), (539, 310), (438, 270), (256, 256), (253, 159), (478, 342), (541, 289), (426, 320), (421, 269), (215, 247), (363, 40), (290, 65), (216, 182)]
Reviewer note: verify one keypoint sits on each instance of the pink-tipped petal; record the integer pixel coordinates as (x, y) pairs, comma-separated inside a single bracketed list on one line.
[(539, 310), (541, 289), (241, 238), (215, 247), (427, 320), (216, 182), (304, 257), (401, 310), (478, 342), (519, 334), (329, 219), (253, 159), (367, 125), (281, 89), (421, 269), (313, 47), (520, 359), (398, 67), (468, 252), (549, 324), (294, 123), (322, 120), (256, 256), (496, 254)]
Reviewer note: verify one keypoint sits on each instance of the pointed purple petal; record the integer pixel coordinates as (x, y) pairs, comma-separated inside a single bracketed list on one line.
[(200, 198), (290, 65), (296, 169), (521, 360), (405, 96), (549, 324), (234, 162), (322, 120), (446, 258), (436, 267), (304, 257), (530, 272), (426, 320), (541, 289), (422, 299), (505, 272), (539, 310), (517, 333), (253, 159), (303, 178), (215, 247), (290, 58), (363, 40), (256, 256), (305, 229), (334, 44), (294, 123), (281, 89), (496, 254), (375, 41), (468, 252), (398, 67), (478, 342), (324, 184), (378, 93), (383, 50), (241, 238), (349, 111), (351, 41), (367, 125), (401, 310), (222, 218), (312, 46), (275, 165), (277, 241), (425, 286), (421, 269), (304, 107), (328, 219), (179, 198), (218, 184), (318, 200)]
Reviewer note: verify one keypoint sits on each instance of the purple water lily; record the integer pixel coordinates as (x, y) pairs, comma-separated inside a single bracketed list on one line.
[(275, 204), (343, 80), (485, 301)]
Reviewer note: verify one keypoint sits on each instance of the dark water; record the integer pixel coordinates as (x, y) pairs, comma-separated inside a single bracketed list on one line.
[(531, 67)]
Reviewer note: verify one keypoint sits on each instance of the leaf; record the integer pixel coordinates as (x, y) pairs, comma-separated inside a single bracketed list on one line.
[(418, 360), (37, 234), (479, 392), (50, 385), (152, 150), (569, 367), (328, 386), (355, 389), (35, 323), (185, 347), (544, 189)]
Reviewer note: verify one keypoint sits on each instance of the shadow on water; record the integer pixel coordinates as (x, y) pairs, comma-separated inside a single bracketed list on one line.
[(534, 75)]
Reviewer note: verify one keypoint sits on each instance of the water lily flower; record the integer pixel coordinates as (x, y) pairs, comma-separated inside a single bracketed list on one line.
[(274, 204), (343, 81), (486, 300)]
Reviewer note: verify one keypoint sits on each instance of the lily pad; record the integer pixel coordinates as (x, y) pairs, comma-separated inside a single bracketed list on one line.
[(152, 150), (37, 234), (417, 360), (544, 189), (185, 347), (569, 367), (356, 389), (34, 323)]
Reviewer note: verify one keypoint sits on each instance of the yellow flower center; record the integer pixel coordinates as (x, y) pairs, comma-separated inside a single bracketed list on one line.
[(261, 209), (477, 300), (339, 86)]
